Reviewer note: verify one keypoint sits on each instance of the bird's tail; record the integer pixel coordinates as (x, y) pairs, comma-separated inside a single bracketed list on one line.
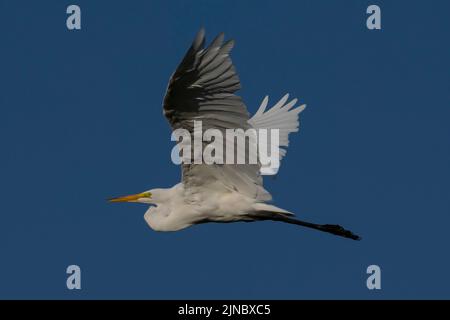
[(265, 211)]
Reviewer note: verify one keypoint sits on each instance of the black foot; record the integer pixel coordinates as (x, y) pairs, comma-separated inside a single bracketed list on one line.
[(339, 231)]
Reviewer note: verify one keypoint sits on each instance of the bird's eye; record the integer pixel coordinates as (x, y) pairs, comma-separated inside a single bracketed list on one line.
[(147, 194)]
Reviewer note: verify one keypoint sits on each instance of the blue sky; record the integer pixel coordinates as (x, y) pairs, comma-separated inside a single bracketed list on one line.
[(81, 120)]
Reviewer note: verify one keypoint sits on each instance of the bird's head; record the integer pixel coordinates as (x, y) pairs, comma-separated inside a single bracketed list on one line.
[(143, 197)]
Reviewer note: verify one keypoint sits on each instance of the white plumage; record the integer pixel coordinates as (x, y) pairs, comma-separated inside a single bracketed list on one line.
[(203, 88), (281, 116)]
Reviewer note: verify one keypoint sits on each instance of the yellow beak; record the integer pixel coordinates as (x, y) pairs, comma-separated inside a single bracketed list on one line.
[(131, 198)]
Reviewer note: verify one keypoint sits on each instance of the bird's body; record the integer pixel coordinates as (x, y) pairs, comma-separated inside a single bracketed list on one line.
[(179, 207), (203, 89), (185, 208)]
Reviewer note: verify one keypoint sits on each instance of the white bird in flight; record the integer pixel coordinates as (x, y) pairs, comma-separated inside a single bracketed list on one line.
[(203, 88)]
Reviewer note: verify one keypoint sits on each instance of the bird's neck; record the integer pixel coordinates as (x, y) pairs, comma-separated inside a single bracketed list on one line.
[(163, 196)]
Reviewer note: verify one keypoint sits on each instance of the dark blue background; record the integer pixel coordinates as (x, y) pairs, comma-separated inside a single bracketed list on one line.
[(81, 120)]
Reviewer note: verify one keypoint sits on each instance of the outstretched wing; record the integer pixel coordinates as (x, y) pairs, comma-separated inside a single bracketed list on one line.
[(282, 116), (202, 88)]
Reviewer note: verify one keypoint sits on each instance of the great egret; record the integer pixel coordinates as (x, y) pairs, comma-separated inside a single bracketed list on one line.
[(202, 88)]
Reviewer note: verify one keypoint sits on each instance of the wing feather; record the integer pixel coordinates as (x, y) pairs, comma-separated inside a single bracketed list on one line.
[(203, 88)]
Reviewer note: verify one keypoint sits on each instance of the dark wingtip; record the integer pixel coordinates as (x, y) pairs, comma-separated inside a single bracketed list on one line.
[(199, 40)]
